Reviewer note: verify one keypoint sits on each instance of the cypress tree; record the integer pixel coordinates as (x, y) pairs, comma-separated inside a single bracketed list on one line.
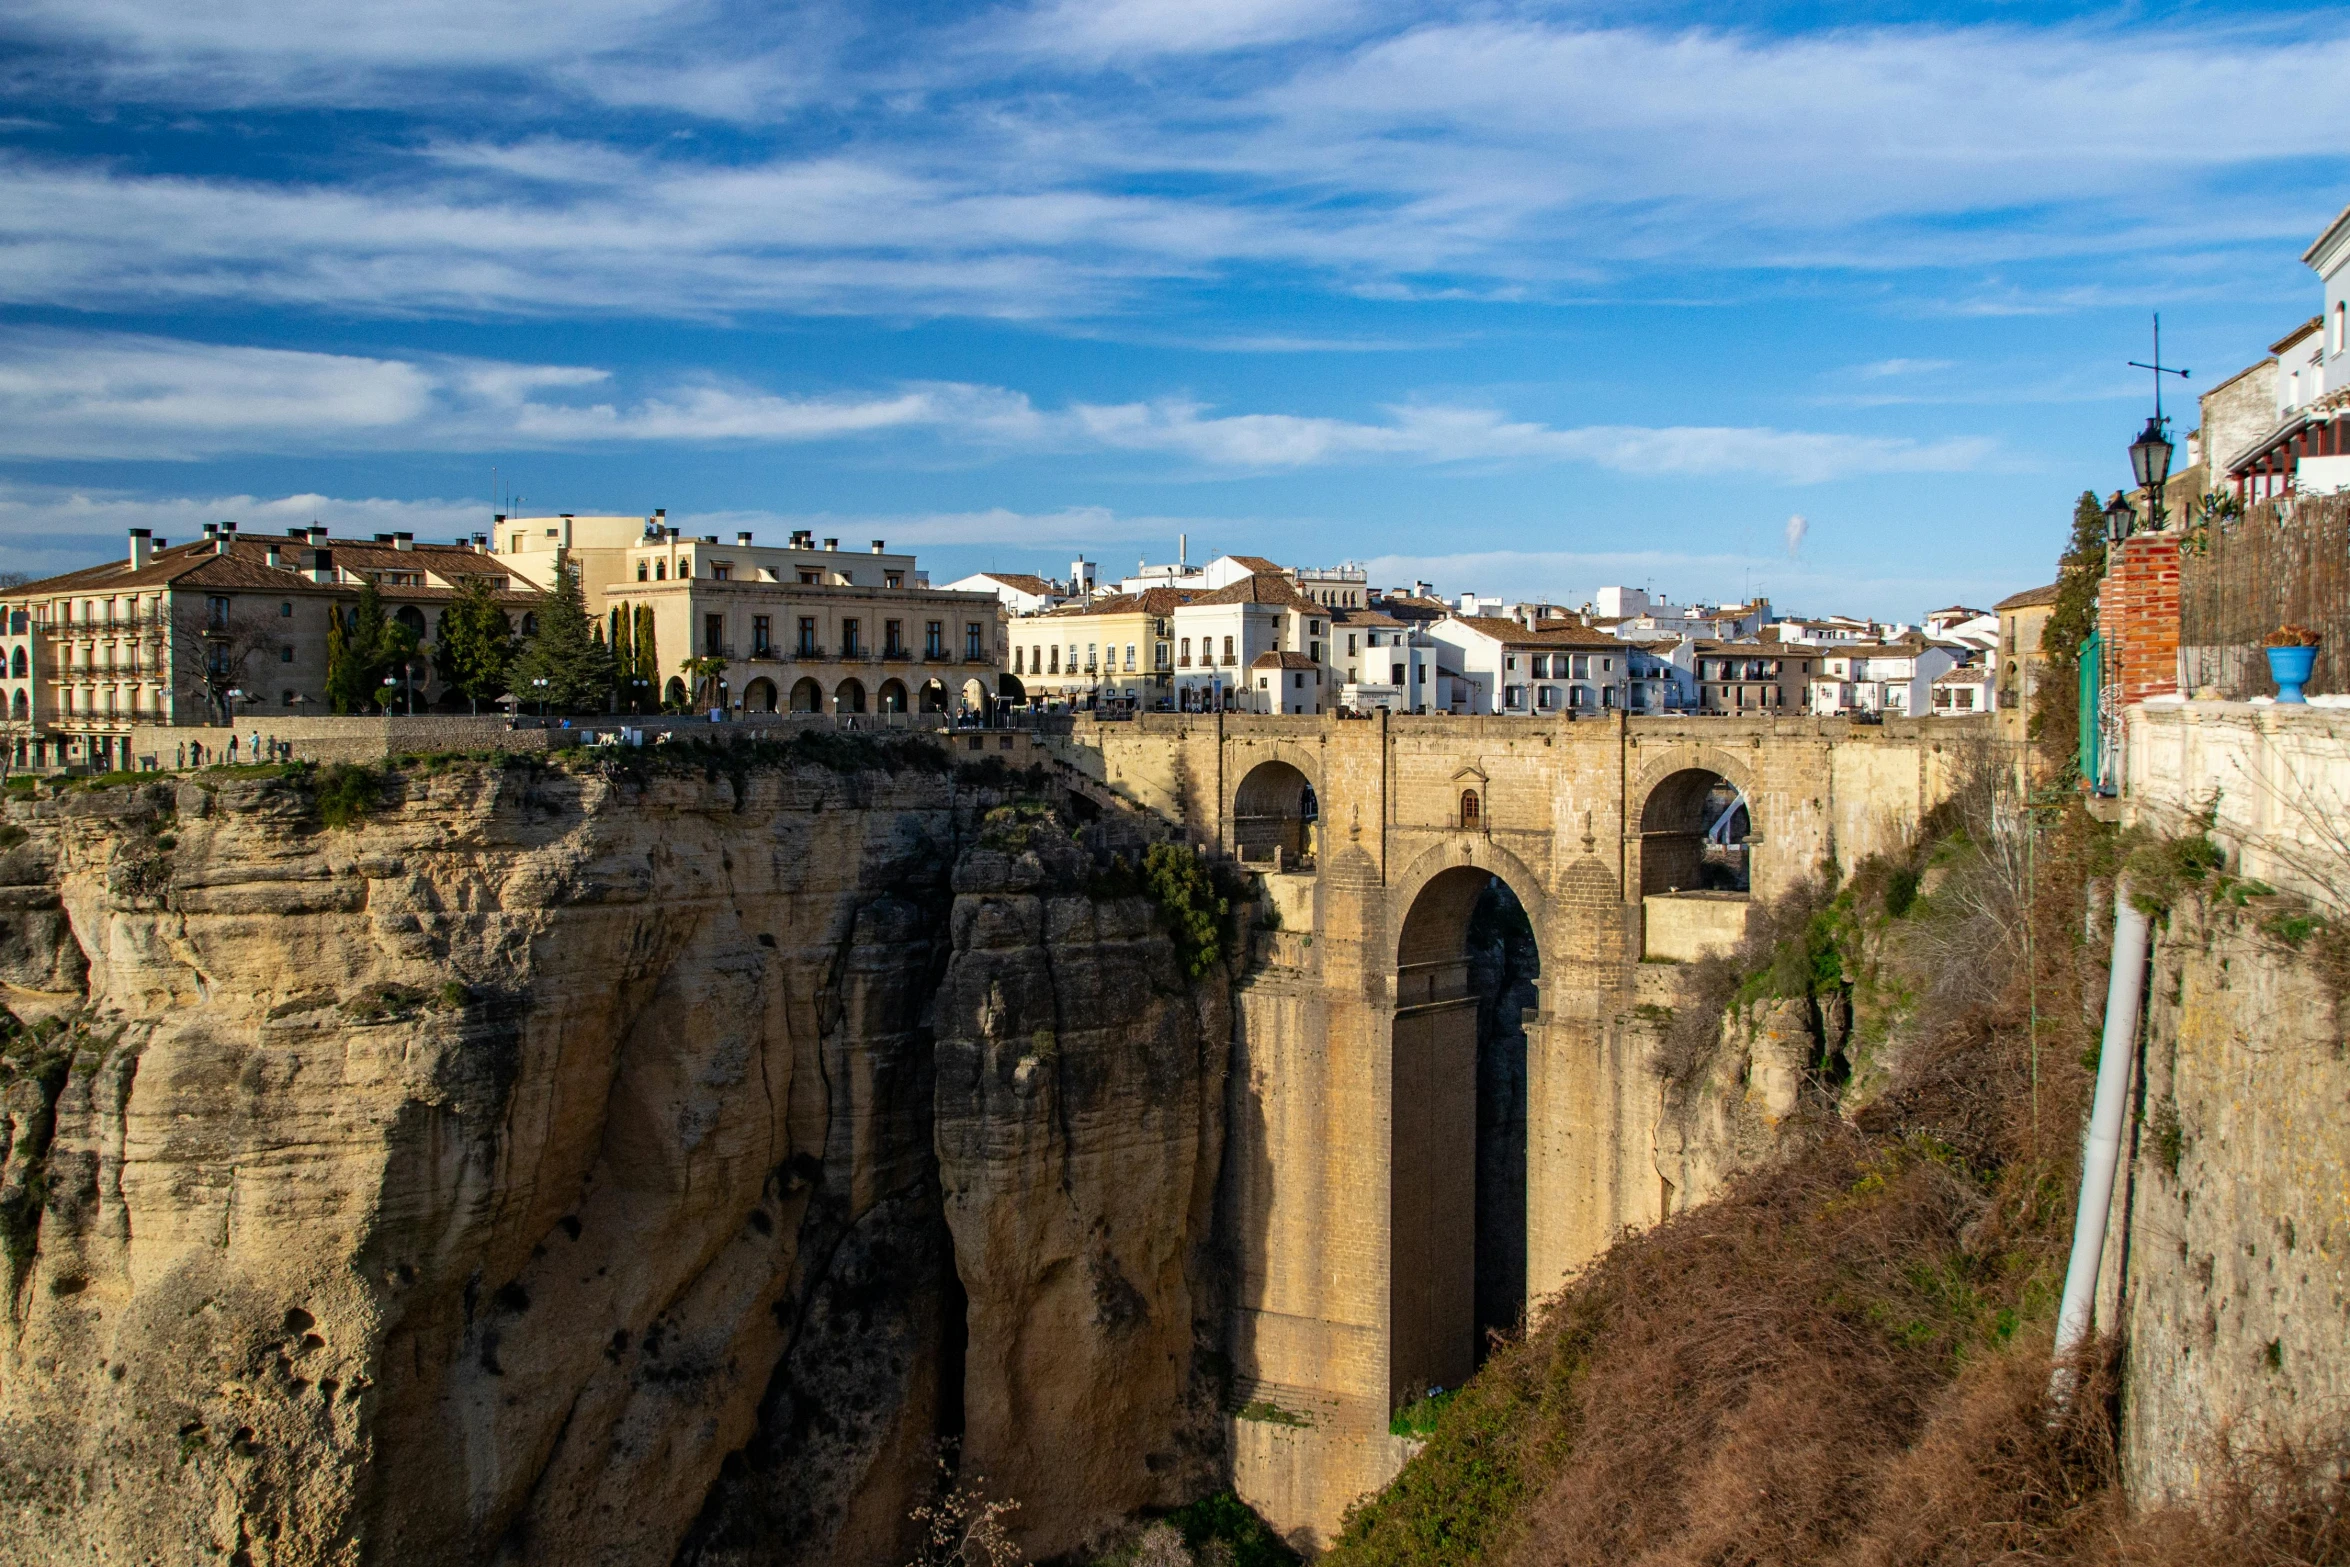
[(648, 656)]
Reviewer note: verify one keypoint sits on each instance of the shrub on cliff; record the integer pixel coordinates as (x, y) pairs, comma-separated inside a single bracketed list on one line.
[(345, 793), (1178, 881)]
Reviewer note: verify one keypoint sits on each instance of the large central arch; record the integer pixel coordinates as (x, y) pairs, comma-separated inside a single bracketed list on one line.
[(1466, 965), (1273, 816)]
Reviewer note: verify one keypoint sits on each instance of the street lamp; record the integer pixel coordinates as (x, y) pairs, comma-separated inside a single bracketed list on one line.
[(2150, 456), (541, 684), (2120, 518)]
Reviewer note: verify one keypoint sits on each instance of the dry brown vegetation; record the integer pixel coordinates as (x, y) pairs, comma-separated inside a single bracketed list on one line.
[(1845, 1360)]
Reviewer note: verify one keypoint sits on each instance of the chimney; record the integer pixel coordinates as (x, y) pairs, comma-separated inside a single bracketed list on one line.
[(743, 539), (383, 538), (403, 541), (271, 557), (563, 537), (481, 542), (297, 533), (228, 527), (877, 546), (832, 544), (1182, 548), (212, 530), (221, 542), (142, 547), (317, 536), (321, 565), (661, 516)]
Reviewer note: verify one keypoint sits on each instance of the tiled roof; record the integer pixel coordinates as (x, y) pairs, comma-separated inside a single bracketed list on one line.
[(2297, 334), (1411, 607), (1282, 661), (1021, 581), (2028, 599), (1368, 618), (1964, 675), (1559, 633), (200, 565), (1260, 588), (1258, 563)]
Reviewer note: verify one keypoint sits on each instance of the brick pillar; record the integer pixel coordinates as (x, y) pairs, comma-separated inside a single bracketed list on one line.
[(2138, 611)]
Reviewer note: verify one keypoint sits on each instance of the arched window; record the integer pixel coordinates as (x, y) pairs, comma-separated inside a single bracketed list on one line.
[(530, 625), (16, 663), (19, 708), (411, 617), (1471, 808)]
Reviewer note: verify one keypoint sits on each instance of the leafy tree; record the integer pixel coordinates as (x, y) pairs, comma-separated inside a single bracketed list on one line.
[(477, 645), (2056, 706), (362, 644), (566, 653)]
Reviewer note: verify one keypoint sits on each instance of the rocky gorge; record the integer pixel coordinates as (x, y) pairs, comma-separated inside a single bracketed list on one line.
[(594, 1163)]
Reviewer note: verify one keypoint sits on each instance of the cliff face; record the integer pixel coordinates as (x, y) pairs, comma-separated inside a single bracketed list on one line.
[(583, 1168)]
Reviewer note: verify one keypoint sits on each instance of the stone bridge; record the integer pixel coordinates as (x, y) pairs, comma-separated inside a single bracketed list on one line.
[(1408, 1167)]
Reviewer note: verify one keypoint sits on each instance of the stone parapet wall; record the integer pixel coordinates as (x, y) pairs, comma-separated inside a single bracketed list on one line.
[(378, 739), (2276, 781)]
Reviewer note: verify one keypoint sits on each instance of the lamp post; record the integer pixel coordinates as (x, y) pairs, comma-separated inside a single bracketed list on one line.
[(541, 685), (2120, 518), (2150, 453)]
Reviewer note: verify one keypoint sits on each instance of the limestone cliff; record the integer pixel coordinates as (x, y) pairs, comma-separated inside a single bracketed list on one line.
[(587, 1165)]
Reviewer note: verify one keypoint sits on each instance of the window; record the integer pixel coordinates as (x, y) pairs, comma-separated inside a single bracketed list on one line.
[(517, 544), (216, 613), (762, 636), (1547, 697), (893, 579), (1162, 654), (1513, 696), (1582, 666), (722, 571), (1072, 658), (1130, 658), (1089, 659), (285, 611), (1183, 655), (1019, 661), (660, 571), (713, 636), (286, 698), (1350, 644), (1228, 651), (1472, 810), (285, 655), (807, 636), (849, 647), (644, 569), (893, 638), (934, 638), (1056, 669), (1314, 651), (808, 576)]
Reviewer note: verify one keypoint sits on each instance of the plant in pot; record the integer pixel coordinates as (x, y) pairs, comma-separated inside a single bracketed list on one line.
[(2292, 654)]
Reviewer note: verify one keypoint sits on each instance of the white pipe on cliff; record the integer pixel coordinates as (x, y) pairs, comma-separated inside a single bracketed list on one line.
[(2102, 1156)]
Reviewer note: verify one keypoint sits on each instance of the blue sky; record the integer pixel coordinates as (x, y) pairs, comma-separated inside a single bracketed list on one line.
[(1521, 298)]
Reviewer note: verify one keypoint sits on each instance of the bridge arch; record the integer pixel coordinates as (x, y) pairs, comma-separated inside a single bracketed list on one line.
[(1467, 963), (1685, 812), (1274, 812)]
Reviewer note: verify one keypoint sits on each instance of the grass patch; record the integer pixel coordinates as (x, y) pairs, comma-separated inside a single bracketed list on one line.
[(1265, 1411), (1224, 1528)]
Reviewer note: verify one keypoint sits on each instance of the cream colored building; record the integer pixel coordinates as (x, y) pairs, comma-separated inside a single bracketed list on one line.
[(142, 640), (2022, 617), (1118, 649), (799, 627)]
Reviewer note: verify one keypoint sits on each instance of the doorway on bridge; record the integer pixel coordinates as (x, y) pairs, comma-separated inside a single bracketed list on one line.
[(1693, 833), (1467, 967), (1273, 818)]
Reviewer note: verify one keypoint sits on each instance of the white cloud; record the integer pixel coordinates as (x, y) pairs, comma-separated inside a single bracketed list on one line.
[(52, 528), (1468, 156), (1797, 526), (105, 395)]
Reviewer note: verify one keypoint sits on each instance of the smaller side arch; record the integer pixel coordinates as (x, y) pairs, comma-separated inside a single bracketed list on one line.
[(807, 696)]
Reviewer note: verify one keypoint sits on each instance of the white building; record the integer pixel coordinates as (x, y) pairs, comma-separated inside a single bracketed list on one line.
[(1632, 616), (2307, 451), (1384, 662), (1220, 634), (1544, 669), (1970, 688), (1895, 679), (1022, 593)]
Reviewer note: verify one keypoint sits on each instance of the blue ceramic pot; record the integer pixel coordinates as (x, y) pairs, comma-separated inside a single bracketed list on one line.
[(2289, 667)]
